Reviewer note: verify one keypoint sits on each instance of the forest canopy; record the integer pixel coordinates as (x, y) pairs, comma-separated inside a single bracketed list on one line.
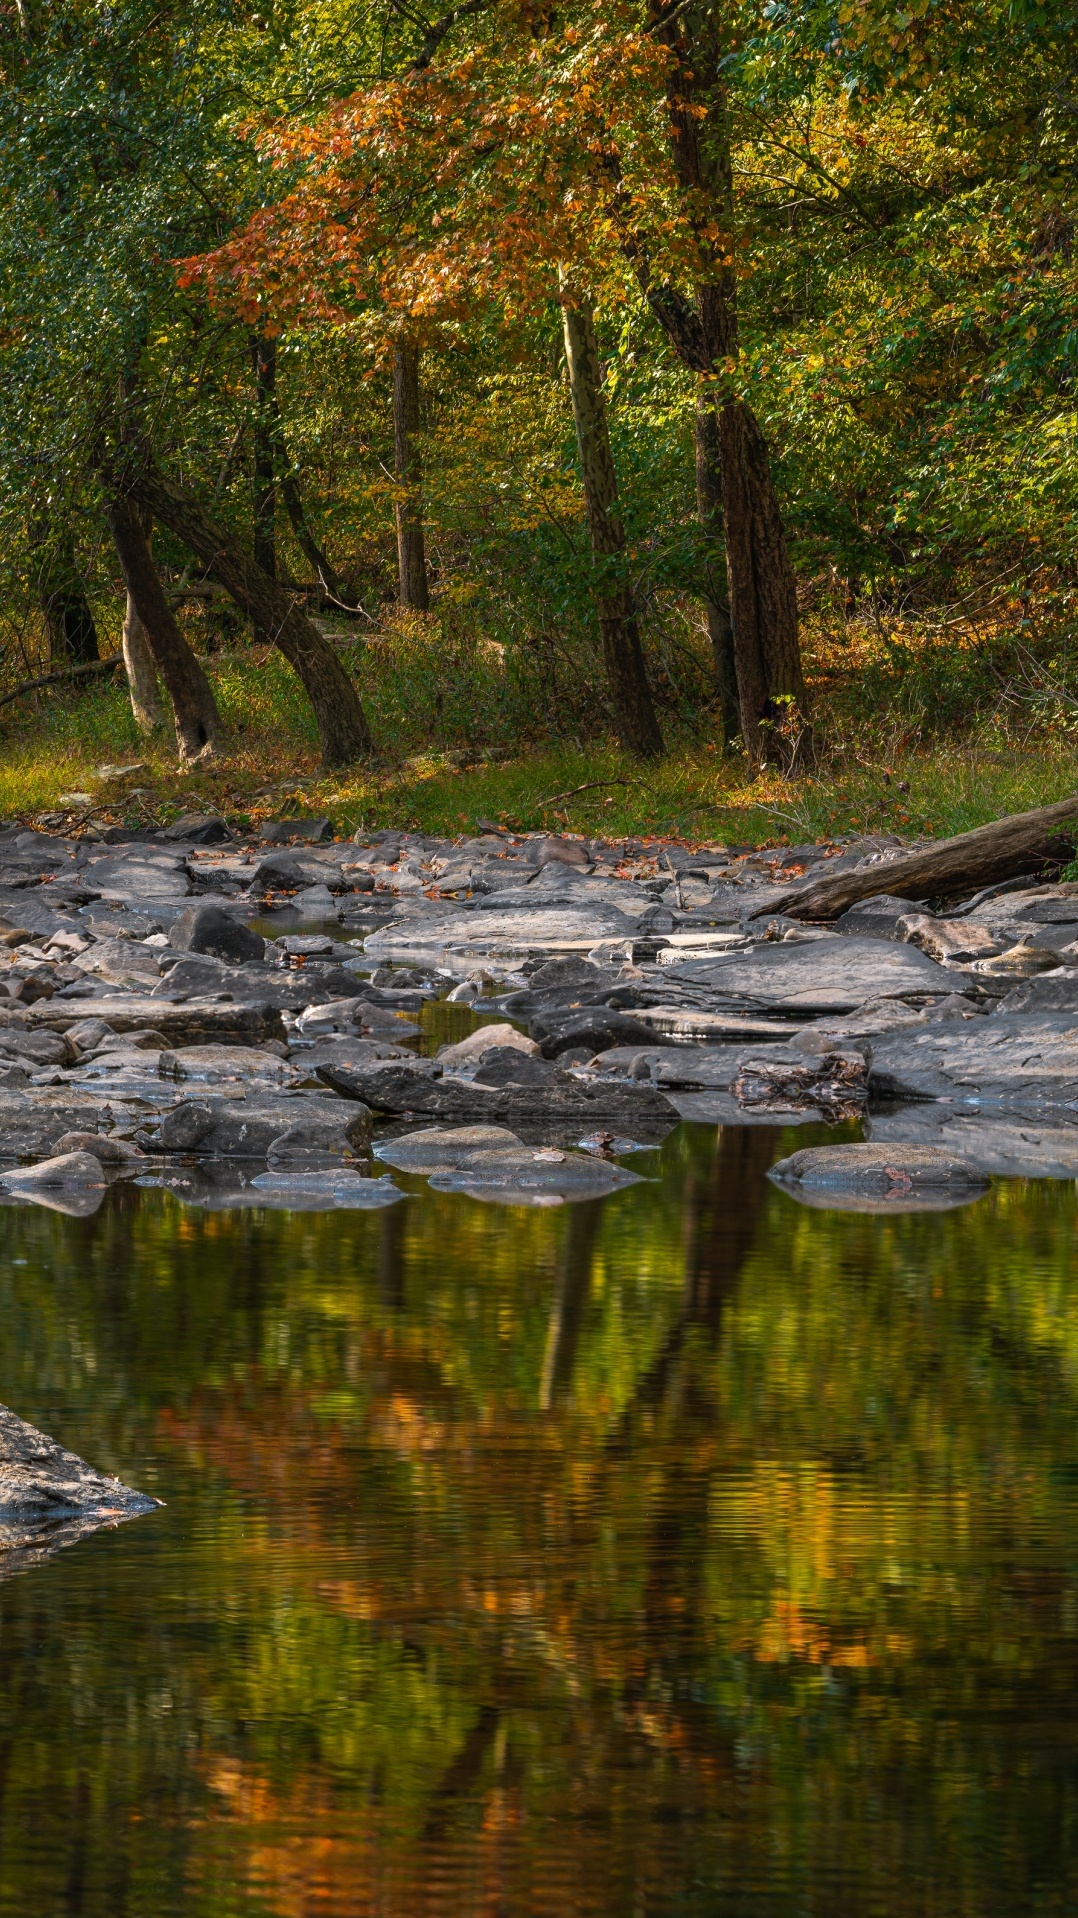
[(583, 347)]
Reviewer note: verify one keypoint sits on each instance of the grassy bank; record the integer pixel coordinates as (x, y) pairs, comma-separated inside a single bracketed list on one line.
[(916, 737)]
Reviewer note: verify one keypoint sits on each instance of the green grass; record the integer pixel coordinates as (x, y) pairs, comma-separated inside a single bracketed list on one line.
[(270, 766)]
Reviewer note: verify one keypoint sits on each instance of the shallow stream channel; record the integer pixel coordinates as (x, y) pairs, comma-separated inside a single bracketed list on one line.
[(693, 1543)]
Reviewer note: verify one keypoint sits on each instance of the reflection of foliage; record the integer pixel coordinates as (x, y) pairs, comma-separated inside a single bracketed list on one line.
[(500, 1544)]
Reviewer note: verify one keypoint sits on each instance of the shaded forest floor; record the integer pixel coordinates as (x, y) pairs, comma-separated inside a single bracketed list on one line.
[(921, 729)]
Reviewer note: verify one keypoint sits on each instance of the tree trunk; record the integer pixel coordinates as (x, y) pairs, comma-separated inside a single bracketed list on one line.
[(264, 353), (69, 622), (198, 724), (305, 539), (623, 655), (407, 464), (141, 673), (142, 685), (342, 724), (763, 597), (719, 624), (984, 857), (703, 332)]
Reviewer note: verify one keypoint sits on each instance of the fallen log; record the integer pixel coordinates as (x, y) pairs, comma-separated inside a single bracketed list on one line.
[(979, 858), (56, 679)]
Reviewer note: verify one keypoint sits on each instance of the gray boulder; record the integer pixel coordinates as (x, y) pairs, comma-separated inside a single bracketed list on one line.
[(1027, 1060), (492, 1163), (74, 1169), (878, 1177), (209, 928), (595, 1027), (307, 832), (197, 829), (876, 918), (1048, 992)]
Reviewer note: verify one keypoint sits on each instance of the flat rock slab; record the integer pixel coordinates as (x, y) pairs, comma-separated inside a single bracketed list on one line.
[(197, 1022), (492, 1163), (329, 1190), (723, 1108), (33, 1123), (43, 1488), (395, 1089), (264, 1128), (878, 1177), (1010, 1145), (691, 1028), (475, 935), (822, 976), (1027, 1060)]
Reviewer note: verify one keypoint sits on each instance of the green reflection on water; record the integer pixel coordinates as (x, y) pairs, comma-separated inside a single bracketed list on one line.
[(691, 1553)]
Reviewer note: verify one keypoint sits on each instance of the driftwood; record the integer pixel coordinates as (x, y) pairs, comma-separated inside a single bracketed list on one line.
[(56, 679), (982, 857)]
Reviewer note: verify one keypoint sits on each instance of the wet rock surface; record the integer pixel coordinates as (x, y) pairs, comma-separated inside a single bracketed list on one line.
[(882, 1177), (50, 1498), (201, 999)]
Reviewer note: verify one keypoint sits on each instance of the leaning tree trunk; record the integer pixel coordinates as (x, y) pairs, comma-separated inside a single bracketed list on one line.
[(198, 724), (342, 723), (719, 624), (407, 466), (69, 622), (623, 655), (264, 354)]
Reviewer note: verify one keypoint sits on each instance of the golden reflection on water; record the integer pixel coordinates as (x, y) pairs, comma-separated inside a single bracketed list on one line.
[(688, 1553)]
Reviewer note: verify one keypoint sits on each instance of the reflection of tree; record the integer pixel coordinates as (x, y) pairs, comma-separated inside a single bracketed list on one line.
[(619, 1553), (567, 1314)]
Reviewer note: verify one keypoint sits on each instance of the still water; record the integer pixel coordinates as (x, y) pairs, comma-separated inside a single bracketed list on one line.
[(691, 1553)]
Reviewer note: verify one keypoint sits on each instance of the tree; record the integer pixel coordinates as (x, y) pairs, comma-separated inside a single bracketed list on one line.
[(408, 469), (623, 656), (342, 724), (198, 725)]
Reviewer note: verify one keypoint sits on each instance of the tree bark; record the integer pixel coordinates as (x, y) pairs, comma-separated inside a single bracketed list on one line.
[(719, 624), (324, 570), (342, 724), (407, 464), (69, 622), (198, 723), (983, 857), (623, 655), (763, 596), (142, 685), (264, 354), (141, 672), (704, 334)]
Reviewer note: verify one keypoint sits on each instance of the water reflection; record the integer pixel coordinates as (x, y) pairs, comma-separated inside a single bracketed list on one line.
[(689, 1553)]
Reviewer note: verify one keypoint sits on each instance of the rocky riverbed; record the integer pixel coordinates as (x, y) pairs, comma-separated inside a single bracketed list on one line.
[(241, 1022)]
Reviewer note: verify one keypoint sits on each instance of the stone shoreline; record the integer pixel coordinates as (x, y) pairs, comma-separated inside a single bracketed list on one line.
[(220, 1016)]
